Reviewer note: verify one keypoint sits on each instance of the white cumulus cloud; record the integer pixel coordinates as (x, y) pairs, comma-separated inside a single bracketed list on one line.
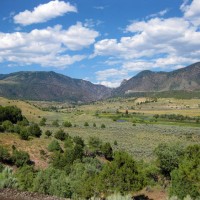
[(47, 47), (192, 11), (44, 12), (155, 43)]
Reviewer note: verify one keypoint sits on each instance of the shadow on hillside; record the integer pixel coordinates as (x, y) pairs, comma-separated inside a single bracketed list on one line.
[(141, 197)]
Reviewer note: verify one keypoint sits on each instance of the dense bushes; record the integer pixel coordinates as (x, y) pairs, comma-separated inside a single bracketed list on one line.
[(4, 155), (80, 171), (53, 182), (20, 158), (168, 157), (122, 175), (7, 179), (10, 113), (11, 120), (34, 130), (54, 146), (186, 178), (25, 176)]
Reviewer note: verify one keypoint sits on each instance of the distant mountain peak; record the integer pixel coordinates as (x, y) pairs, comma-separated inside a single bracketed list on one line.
[(187, 78), (144, 73), (50, 86)]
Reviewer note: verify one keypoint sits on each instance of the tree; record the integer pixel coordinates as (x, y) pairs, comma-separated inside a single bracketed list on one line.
[(78, 152), (107, 151), (168, 157), (186, 178), (84, 172), (121, 175), (35, 130)]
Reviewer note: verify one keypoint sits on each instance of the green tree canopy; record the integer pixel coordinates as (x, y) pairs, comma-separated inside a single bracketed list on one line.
[(186, 178)]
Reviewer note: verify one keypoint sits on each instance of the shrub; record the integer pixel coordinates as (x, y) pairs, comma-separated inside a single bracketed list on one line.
[(55, 123), (35, 130), (11, 113), (24, 122), (20, 158), (107, 151), (78, 140), (103, 126), (48, 133), (25, 176), (122, 175), (68, 143), (78, 152), (168, 157), (52, 182), (4, 155), (43, 121), (86, 124), (24, 135), (7, 179), (54, 146), (8, 126), (67, 124), (94, 143), (186, 178), (61, 135), (94, 125)]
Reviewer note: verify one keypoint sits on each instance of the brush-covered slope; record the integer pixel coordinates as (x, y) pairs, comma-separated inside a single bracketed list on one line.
[(187, 79), (50, 86)]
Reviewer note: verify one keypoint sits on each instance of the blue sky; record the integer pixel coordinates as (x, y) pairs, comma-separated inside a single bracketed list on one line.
[(103, 41)]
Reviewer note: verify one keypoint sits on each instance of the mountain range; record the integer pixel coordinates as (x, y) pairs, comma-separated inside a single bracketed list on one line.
[(51, 86)]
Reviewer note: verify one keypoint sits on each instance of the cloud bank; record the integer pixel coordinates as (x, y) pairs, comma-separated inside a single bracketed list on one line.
[(47, 47)]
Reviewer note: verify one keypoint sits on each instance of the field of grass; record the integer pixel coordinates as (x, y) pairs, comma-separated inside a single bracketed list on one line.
[(139, 139)]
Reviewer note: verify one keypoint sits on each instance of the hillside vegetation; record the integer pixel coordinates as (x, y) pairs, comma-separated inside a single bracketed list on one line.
[(118, 145)]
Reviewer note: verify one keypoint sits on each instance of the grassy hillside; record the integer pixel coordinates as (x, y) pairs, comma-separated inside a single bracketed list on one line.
[(132, 134)]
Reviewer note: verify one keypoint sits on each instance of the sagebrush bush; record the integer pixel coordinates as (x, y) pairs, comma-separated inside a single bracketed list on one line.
[(7, 179)]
